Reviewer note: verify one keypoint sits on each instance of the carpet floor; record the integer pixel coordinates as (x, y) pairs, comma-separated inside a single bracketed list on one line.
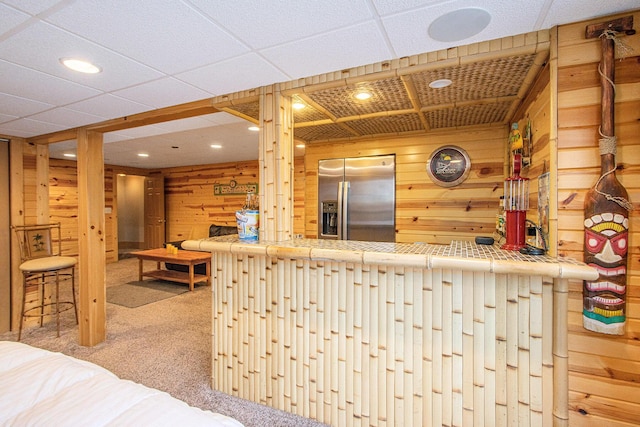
[(164, 344)]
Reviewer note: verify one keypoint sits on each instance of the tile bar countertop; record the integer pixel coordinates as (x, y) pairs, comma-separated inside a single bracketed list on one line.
[(462, 255)]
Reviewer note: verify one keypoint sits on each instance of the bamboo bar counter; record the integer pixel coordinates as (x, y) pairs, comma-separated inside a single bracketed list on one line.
[(387, 334)]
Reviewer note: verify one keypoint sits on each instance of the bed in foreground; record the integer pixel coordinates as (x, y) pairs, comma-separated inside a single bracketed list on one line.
[(39, 387)]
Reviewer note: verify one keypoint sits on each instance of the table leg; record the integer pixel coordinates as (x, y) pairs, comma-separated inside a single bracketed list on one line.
[(140, 269), (191, 276), (208, 263)]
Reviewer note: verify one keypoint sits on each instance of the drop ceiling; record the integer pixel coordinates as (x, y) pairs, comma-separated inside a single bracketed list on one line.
[(168, 52)]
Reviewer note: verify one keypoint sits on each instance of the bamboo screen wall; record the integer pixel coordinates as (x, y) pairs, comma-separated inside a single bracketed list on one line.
[(426, 212), (604, 376), (353, 344)]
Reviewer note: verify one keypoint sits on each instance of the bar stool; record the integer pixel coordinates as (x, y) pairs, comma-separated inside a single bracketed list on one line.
[(42, 264)]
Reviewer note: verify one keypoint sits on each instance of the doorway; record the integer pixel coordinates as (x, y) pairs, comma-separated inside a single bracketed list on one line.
[(141, 213), (130, 202)]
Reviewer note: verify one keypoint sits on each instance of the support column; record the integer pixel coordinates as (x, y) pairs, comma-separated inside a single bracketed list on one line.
[(276, 159), (16, 191), (91, 235)]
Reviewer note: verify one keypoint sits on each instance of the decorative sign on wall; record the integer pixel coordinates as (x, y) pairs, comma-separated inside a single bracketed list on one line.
[(234, 188), (448, 166)]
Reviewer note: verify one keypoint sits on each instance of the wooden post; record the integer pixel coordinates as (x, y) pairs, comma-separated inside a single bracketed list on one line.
[(91, 241), (16, 183)]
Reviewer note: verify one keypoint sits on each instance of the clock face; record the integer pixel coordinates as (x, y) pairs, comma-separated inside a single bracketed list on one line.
[(448, 166)]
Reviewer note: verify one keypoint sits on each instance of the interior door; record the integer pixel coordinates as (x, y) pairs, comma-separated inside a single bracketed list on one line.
[(154, 215)]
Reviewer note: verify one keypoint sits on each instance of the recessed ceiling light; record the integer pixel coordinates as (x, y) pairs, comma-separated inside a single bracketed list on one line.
[(69, 155), (459, 24), (362, 95), (143, 155), (298, 105), (80, 65), (216, 146), (254, 128), (440, 83)]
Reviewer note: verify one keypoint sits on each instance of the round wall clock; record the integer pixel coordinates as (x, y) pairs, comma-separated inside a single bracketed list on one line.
[(448, 166)]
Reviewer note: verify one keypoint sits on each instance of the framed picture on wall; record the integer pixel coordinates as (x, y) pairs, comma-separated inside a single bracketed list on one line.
[(448, 166)]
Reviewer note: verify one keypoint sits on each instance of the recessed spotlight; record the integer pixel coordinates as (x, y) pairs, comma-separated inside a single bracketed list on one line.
[(80, 66), (143, 155), (459, 24), (440, 83), (362, 95), (216, 146), (254, 128), (69, 155), (298, 105)]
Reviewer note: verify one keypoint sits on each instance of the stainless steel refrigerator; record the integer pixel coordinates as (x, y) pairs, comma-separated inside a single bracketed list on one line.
[(356, 198)]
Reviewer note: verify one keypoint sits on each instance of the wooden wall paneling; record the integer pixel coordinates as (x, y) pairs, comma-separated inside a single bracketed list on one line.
[(424, 210), (603, 377)]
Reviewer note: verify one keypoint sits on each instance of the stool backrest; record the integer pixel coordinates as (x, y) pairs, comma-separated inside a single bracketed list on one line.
[(37, 241)]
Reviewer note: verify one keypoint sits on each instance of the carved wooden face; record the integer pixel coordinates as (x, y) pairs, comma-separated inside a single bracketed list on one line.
[(606, 245)]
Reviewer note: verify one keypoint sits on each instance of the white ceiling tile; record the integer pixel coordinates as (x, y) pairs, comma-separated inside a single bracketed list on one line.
[(328, 51), (109, 106), (32, 7), (68, 117), (26, 128), (7, 118), (137, 132), (269, 23), (163, 93), (26, 83), (164, 39), (387, 7), (234, 75), (10, 18), (41, 46), (562, 11), (20, 106), (408, 31)]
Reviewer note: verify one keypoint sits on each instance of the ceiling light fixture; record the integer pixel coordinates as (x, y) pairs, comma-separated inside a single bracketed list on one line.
[(143, 155), (459, 24), (300, 145), (254, 128), (440, 83), (298, 105), (216, 146), (69, 155), (362, 95), (80, 66)]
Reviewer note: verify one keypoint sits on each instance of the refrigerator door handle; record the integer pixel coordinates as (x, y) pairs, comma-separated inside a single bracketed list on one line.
[(343, 210)]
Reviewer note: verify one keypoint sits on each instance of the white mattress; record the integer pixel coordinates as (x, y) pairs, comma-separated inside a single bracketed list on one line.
[(39, 387)]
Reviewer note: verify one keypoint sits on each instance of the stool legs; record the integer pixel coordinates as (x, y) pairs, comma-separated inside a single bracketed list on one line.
[(41, 281)]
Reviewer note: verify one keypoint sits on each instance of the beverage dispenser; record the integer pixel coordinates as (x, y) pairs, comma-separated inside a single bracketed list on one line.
[(330, 218)]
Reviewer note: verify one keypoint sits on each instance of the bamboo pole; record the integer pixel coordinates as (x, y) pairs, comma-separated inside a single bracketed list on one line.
[(560, 353), (523, 352), (501, 320)]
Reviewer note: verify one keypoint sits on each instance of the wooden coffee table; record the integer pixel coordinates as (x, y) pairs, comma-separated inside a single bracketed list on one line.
[(189, 258)]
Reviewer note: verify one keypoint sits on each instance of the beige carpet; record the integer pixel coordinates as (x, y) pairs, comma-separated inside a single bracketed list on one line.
[(164, 345)]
